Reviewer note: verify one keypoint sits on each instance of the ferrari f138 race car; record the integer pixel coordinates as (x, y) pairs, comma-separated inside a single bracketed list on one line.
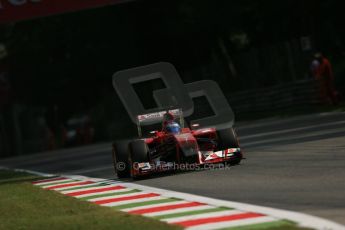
[(173, 146)]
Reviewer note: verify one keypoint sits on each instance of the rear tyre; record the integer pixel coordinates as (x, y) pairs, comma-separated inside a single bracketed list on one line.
[(121, 158), (227, 138)]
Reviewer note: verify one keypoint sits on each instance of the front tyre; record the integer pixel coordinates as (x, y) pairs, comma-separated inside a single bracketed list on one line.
[(120, 153), (138, 154), (227, 138)]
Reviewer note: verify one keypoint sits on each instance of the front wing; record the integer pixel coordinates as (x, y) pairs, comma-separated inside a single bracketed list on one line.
[(204, 157)]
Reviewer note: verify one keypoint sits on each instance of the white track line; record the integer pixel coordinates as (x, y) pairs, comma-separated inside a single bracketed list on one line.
[(65, 185), (303, 220), (233, 223), (31, 172), (83, 186), (86, 189), (117, 196), (155, 205), (62, 182), (303, 135), (284, 131), (204, 215), (45, 184), (105, 192), (196, 208), (274, 121), (134, 201)]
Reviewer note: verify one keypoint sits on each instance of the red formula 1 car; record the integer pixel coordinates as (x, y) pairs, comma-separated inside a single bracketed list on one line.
[(173, 147)]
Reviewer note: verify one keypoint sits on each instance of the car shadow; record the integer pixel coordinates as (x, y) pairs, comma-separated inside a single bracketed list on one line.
[(174, 173)]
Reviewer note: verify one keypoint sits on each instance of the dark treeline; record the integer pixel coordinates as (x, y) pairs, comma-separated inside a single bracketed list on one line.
[(67, 61)]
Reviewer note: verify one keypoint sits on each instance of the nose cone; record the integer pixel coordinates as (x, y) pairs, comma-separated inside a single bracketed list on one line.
[(187, 144)]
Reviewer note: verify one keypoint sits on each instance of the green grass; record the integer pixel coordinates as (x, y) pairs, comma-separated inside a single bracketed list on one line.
[(24, 206)]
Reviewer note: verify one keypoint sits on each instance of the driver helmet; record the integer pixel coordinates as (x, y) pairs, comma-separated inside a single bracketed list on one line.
[(168, 117), (173, 127)]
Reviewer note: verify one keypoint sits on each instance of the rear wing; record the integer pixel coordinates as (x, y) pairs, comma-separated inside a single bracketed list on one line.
[(157, 117)]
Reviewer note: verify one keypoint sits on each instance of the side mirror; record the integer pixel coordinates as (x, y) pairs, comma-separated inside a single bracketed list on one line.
[(195, 125)]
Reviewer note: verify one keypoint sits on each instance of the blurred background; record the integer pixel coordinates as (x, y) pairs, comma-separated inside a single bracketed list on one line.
[(55, 70)]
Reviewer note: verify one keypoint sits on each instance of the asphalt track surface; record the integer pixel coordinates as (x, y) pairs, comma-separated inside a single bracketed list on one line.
[(296, 164)]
